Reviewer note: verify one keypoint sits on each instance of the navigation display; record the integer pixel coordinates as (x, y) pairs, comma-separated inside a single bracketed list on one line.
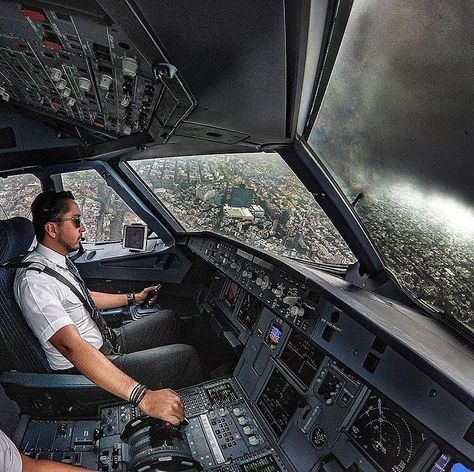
[(302, 357), (249, 311), (389, 439), (278, 402), (230, 293)]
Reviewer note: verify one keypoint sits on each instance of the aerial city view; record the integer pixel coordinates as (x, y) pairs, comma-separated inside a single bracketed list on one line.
[(258, 199), (103, 212), (429, 256), (252, 197)]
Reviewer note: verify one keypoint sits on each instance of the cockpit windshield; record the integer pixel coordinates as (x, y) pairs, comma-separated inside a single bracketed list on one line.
[(252, 197), (395, 129)]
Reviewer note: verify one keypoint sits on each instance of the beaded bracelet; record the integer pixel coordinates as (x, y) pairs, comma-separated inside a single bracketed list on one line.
[(137, 394)]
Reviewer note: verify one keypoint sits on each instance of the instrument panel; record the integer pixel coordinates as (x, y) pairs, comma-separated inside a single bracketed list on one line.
[(315, 387)]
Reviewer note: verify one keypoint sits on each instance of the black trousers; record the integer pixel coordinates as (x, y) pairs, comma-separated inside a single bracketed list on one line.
[(153, 355)]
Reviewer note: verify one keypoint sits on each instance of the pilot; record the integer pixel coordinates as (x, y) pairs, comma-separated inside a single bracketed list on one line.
[(12, 461), (139, 362)]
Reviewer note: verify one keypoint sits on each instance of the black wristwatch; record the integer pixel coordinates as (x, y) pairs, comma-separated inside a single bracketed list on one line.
[(131, 299)]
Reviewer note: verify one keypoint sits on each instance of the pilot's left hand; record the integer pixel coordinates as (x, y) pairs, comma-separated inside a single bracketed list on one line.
[(151, 291)]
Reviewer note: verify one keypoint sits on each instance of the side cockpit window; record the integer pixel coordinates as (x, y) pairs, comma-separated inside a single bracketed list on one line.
[(17, 192), (103, 212)]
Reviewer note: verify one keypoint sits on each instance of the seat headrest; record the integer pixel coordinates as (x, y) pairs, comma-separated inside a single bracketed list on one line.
[(16, 237)]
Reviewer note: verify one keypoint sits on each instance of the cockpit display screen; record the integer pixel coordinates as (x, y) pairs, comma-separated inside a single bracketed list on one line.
[(230, 293), (302, 357), (446, 463), (274, 335), (278, 402), (388, 438), (134, 237), (249, 311)]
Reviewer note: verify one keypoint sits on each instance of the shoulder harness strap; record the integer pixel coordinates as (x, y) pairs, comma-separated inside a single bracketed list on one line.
[(16, 263)]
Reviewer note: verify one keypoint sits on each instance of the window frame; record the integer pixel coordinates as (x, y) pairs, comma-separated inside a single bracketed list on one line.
[(114, 180)]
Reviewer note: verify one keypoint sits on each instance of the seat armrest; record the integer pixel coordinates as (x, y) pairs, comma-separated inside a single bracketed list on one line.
[(34, 380), (55, 395)]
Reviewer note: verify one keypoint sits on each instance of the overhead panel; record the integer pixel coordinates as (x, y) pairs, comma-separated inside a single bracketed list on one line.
[(78, 68)]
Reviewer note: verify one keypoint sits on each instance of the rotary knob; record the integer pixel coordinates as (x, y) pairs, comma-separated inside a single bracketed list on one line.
[(242, 420), (129, 66), (235, 265), (55, 74), (105, 82), (248, 430), (290, 300), (265, 282), (212, 415), (125, 102), (104, 459), (297, 311), (222, 412), (85, 84), (61, 84), (278, 291), (253, 440)]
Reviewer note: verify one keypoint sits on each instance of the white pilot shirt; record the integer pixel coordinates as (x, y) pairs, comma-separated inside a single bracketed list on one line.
[(10, 459), (48, 305)]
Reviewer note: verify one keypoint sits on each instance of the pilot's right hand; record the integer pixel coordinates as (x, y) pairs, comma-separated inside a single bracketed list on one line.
[(164, 404)]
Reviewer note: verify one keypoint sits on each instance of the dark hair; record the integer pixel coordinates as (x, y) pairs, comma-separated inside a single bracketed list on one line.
[(48, 206)]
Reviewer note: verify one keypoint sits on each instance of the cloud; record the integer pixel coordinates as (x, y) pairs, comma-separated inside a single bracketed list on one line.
[(401, 99)]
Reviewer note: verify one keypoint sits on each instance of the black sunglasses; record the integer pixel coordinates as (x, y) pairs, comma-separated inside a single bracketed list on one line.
[(75, 219)]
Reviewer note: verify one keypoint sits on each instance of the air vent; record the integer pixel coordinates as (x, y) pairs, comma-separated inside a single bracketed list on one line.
[(327, 333), (371, 362)]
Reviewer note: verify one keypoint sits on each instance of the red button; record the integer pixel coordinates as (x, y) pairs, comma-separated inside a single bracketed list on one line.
[(33, 14), (52, 45)]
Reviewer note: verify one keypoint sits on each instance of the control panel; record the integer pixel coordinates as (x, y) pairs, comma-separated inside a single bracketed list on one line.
[(220, 433), (76, 67), (69, 442), (318, 377), (287, 295)]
